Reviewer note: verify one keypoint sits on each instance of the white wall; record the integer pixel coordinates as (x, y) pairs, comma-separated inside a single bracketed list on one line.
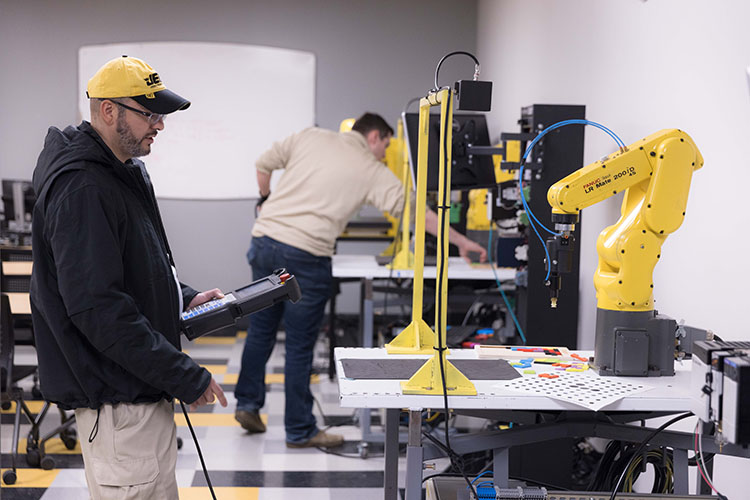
[(370, 56), (640, 66)]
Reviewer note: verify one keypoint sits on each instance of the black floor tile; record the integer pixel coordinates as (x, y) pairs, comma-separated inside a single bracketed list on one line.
[(22, 493), (289, 479)]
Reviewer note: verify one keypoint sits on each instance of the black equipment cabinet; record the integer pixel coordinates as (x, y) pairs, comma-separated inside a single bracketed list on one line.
[(558, 154)]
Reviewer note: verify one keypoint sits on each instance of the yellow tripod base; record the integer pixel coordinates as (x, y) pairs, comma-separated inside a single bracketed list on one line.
[(388, 250), (428, 380), (403, 260), (417, 338)]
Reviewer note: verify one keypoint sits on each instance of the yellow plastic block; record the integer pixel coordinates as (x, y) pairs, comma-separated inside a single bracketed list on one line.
[(529, 372), (574, 369)]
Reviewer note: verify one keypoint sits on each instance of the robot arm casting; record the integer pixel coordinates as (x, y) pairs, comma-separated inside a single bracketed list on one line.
[(655, 174)]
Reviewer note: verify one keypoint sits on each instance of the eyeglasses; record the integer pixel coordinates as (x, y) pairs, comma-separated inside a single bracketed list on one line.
[(152, 118)]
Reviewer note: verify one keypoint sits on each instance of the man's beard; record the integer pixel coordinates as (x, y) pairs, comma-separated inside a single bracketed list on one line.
[(129, 144)]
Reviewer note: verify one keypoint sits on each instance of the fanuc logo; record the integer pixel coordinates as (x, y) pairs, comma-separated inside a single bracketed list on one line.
[(153, 79)]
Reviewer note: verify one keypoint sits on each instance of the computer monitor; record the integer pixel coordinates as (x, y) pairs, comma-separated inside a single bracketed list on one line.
[(18, 200), (467, 171)]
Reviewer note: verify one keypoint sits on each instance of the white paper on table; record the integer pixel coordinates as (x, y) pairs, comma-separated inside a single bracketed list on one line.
[(584, 389)]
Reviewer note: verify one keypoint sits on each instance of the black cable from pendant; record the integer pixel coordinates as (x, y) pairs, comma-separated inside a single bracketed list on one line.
[(200, 455)]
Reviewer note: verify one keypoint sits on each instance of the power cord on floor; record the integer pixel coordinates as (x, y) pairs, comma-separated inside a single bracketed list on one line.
[(641, 446), (200, 454)]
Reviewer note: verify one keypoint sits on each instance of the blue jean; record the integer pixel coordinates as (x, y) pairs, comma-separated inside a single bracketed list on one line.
[(301, 323)]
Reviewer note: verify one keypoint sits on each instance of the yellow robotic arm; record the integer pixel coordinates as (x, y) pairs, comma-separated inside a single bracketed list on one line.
[(655, 174)]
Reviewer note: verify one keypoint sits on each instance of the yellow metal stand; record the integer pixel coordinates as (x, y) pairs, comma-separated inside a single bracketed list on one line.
[(404, 258), (429, 379), (418, 337)]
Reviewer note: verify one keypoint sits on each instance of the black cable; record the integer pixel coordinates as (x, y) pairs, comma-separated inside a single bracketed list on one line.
[(643, 445), (200, 455), (458, 52), (443, 207)]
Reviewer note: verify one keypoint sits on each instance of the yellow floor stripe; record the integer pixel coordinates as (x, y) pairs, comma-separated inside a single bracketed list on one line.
[(216, 369), (271, 378), (53, 446), (215, 340), (34, 478), (211, 419), (222, 493), (34, 406), (241, 334)]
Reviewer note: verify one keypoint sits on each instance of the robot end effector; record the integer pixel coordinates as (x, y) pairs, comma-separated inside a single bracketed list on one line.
[(560, 249)]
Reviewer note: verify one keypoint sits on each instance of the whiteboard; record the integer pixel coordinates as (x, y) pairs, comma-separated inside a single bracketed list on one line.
[(244, 98)]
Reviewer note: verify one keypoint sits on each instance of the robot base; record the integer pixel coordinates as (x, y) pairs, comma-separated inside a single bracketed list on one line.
[(634, 343)]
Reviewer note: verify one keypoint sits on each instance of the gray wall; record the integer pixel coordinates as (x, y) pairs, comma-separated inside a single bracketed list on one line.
[(370, 56)]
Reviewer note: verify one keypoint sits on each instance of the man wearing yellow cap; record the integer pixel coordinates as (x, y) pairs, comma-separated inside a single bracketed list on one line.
[(105, 297)]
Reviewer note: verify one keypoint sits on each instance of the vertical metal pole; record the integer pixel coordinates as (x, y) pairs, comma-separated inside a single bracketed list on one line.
[(332, 331), (680, 464), (366, 322), (500, 467), (391, 454), (414, 457), (367, 328)]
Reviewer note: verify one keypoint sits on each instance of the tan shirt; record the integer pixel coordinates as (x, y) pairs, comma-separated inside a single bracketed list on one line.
[(328, 177)]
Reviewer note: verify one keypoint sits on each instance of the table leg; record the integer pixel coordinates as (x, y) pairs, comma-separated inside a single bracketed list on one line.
[(500, 467), (680, 464), (391, 454), (366, 320), (414, 457), (332, 331), (707, 429)]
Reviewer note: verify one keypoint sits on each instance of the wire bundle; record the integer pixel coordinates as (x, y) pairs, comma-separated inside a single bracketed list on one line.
[(532, 217), (619, 458)]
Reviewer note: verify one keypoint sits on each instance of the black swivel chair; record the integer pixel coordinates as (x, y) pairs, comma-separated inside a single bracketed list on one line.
[(9, 375)]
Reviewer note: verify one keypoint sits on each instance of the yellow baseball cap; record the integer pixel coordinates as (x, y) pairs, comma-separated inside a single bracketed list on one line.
[(131, 77)]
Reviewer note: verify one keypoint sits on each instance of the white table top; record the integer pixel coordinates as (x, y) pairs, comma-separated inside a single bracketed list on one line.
[(667, 393), (365, 266)]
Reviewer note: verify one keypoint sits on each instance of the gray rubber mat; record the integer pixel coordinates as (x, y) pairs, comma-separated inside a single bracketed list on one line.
[(403, 369)]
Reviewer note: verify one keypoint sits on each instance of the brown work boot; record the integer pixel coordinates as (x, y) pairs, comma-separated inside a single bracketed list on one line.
[(320, 440), (250, 421)]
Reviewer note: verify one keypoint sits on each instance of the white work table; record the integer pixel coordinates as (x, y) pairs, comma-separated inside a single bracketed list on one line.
[(365, 267), (618, 420), (666, 393)]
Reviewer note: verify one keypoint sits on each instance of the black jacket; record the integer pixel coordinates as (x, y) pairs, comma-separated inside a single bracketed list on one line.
[(104, 298)]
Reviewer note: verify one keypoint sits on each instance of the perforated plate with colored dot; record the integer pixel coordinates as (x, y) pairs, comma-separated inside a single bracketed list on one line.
[(591, 392)]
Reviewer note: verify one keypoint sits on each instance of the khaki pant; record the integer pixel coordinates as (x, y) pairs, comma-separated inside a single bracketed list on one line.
[(133, 453)]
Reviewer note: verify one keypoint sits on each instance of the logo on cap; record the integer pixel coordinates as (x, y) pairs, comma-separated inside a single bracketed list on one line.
[(153, 79)]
